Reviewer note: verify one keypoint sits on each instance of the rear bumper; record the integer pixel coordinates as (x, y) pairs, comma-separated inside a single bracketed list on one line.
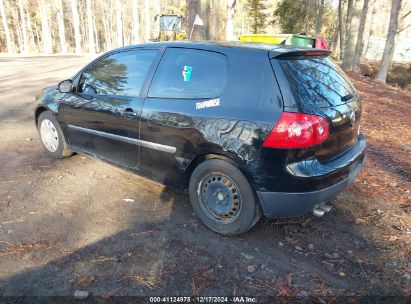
[(292, 204)]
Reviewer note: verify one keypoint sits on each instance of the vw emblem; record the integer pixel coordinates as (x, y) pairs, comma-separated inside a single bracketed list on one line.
[(352, 117)]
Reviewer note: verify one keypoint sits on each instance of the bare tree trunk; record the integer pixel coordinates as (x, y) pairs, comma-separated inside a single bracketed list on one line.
[(218, 19), (107, 24), (95, 30), (30, 28), (119, 23), (23, 26), (147, 20), (106, 34), (319, 19), (306, 14), (230, 20), (335, 37), (82, 10), (53, 33), (111, 23), (61, 27), (360, 39), (194, 7), (371, 33), (390, 43), (37, 40), (348, 58), (243, 22), (204, 13), (341, 27), (136, 25), (76, 26), (350, 6), (45, 28), (205, 10), (15, 30), (91, 45), (6, 28), (19, 36)]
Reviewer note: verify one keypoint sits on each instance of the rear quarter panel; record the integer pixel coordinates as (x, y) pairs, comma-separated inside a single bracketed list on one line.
[(249, 107)]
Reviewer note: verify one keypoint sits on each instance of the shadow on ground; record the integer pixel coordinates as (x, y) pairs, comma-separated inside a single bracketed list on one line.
[(177, 255)]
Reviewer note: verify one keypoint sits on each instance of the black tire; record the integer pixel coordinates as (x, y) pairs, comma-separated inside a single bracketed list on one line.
[(205, 183), (62, 150)]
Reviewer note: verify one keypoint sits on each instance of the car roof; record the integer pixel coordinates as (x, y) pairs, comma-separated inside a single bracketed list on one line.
[(274, 50)]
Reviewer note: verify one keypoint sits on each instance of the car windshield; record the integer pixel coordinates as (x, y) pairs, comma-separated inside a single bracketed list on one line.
[(317, 80)]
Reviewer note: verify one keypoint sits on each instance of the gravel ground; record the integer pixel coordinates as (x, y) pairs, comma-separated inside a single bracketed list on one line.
[(66, 226)]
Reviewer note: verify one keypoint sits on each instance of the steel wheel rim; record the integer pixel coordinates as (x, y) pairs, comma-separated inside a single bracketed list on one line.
[(220, 197), (49, 135)]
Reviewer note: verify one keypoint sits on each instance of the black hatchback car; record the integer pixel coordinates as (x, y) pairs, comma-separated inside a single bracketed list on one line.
[(246, 129)]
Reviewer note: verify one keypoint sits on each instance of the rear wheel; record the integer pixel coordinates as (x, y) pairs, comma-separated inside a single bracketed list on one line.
[(51, 136), (222, 198)]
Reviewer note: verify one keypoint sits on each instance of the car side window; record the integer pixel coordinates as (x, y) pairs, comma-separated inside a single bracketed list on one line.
[(118, 74), (185, 73)]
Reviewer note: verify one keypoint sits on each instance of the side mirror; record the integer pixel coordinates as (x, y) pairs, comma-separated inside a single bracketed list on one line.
[(66, 86)]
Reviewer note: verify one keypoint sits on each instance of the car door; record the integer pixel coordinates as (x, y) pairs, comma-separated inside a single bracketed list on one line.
[(102, 118), (185, 80)]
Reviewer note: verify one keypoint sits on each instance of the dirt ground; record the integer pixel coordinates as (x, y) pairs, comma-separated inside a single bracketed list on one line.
[(65, 226)]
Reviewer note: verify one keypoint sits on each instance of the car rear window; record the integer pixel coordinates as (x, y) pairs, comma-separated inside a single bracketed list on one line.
[(185, 73), (316, 80)]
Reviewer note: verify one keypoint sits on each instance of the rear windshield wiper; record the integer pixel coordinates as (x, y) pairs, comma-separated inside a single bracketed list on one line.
[(348, 97)]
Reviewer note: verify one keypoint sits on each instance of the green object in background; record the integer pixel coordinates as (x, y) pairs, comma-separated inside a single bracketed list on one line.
[(302, 40)]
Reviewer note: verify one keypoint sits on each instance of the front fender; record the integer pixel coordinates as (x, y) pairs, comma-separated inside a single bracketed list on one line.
[(47, 100)]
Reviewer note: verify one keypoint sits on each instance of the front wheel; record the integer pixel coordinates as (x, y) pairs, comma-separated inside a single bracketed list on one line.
[(222, 198), (51, 136)]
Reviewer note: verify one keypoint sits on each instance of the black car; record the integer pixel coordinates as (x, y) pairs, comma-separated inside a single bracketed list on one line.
[(246, 129)]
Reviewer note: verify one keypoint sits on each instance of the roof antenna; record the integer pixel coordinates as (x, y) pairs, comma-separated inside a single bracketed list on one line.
[(283, 42)]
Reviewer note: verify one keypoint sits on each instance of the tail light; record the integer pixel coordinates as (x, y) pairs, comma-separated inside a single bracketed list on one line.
[(297, 130)]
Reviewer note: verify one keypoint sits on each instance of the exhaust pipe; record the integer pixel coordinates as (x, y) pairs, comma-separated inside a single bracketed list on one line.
[(326, 207), (318, 212), (322, 209)]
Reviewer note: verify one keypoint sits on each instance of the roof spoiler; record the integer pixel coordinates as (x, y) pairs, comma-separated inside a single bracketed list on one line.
[(289, 54)]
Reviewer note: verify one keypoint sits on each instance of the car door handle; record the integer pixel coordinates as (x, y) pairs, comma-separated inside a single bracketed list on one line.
[(129, 113)]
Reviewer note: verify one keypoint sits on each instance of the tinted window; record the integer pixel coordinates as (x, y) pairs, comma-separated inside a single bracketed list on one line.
[(118, 74), (316, 80), (189, 74)]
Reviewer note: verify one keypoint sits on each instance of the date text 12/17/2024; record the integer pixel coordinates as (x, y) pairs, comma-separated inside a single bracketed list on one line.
[(200, 299)]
